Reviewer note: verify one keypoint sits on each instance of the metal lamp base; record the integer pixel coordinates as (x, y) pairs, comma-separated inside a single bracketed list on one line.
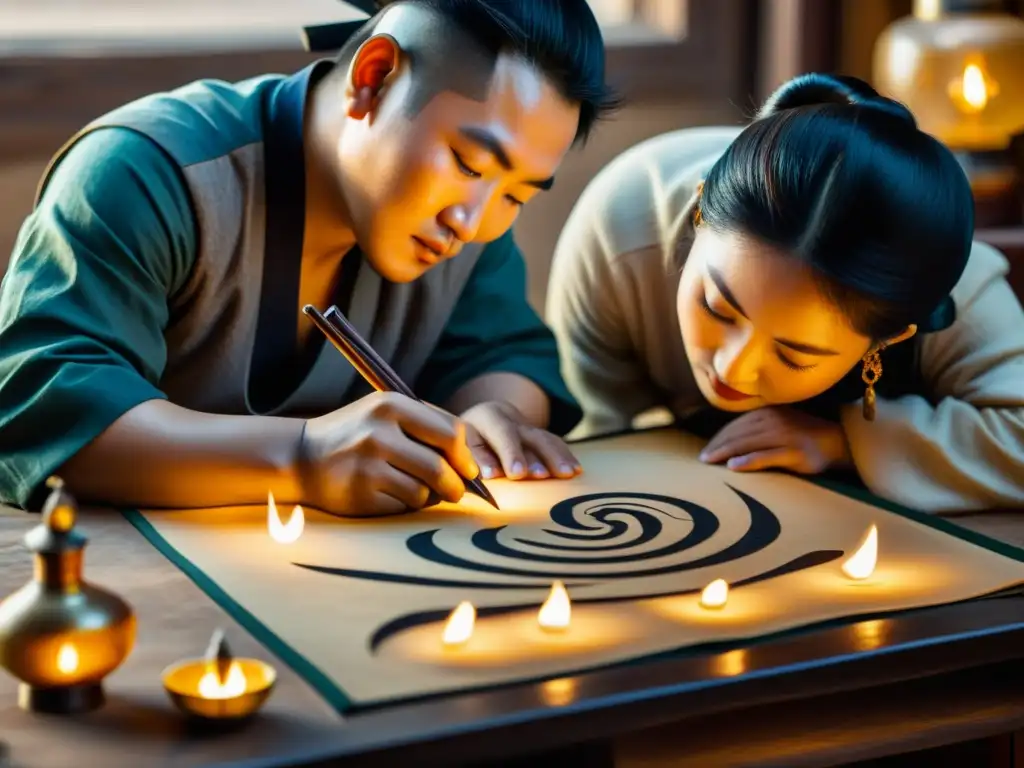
[(62, 700)]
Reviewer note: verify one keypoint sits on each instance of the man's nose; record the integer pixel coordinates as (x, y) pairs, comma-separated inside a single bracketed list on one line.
[(463, 219)]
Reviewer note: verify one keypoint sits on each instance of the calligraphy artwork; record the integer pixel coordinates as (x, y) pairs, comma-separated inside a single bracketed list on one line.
[(598, 530), (359, 606)]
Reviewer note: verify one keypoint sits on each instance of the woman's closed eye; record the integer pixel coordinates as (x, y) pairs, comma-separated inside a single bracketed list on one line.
[(719, 317), (715, 315), (791, 365)]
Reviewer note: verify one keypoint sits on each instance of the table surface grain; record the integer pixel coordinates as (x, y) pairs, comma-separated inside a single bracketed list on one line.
[(139, 726)]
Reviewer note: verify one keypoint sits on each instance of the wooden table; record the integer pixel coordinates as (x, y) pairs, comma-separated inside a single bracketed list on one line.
[(894, 692)]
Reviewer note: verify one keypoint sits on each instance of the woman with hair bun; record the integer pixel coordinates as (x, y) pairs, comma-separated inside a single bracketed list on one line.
[(806, 292)]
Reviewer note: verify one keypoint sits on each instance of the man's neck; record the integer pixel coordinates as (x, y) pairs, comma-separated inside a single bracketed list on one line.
[(328, 232)]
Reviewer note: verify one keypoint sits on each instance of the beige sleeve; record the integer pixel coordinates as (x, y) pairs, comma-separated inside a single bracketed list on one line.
[(962, 449), (599, 361)]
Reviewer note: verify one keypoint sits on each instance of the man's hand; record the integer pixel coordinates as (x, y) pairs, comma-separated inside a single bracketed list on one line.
[(779, 437), (503, 443), (384, 454)]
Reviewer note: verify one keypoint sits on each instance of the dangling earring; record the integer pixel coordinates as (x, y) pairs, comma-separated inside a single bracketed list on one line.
[(870, 374), (697, 219)]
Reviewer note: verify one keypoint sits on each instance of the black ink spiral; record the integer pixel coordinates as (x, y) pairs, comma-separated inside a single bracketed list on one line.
[(591, 532)]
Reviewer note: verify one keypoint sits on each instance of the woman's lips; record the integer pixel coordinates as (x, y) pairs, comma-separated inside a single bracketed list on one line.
[(726, 392)]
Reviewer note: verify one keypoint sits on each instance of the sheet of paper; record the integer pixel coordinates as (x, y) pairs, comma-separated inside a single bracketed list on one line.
[(634, 540)]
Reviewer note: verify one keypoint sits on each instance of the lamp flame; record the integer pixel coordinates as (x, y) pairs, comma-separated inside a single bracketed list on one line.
[(975, 89), (284, 533), (862, 562), (715, 594), (210, 686), (460, 624), (557, 609), (972, 91), (67, 658)]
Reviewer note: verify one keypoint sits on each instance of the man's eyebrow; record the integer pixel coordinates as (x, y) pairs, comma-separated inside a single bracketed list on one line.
[(807, 349), (719, 281), (492, 144)]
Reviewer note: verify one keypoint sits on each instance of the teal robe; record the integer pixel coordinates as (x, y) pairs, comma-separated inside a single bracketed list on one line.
[(162, 259)]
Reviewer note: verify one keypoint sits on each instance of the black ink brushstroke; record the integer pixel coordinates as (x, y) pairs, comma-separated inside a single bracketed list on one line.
[(764, 529), (413, 620), (564, 514), (705, 524), (426, 581)]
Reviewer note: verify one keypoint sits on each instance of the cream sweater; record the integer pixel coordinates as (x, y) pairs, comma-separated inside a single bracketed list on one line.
[(611, 301)]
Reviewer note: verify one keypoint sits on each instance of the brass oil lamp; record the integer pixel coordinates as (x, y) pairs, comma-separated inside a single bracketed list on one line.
[(59, 635)]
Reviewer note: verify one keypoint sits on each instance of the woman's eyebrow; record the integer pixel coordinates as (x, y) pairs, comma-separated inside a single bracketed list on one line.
[(797, 346)]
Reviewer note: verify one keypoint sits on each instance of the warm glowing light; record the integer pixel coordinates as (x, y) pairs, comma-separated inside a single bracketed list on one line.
[(558, 692), (715, 594), (210, 686), (975, 92), (557, 610), (972, 91), (730, 664), (67, 658), (460, 624), (280, 532), (862, 562)]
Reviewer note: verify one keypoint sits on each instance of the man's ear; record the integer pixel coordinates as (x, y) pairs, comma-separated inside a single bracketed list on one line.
[(376, 60), (907, 332)]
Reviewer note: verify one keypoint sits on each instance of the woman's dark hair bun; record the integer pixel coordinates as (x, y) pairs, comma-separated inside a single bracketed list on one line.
[(817, 88)]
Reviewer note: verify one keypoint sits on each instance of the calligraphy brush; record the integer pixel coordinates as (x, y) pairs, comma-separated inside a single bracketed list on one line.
[(373, 368)]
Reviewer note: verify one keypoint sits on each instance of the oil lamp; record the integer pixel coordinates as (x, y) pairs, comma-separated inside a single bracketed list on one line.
[(958, 65), (219, 687), (59, 635)]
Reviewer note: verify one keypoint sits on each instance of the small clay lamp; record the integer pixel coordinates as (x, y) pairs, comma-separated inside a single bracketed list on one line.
[(59, 635), (219, 687)]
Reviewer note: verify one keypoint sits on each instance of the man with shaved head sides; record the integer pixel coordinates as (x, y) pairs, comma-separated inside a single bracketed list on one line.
[(153, 350)]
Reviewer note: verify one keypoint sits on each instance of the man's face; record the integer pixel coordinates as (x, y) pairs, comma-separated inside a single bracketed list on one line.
[(420, 187)]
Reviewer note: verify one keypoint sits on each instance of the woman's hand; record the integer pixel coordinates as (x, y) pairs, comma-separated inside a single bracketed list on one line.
[(782, 438), (503, 443)]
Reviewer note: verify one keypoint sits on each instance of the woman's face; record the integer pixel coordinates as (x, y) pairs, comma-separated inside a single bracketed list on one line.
[(756, 327)]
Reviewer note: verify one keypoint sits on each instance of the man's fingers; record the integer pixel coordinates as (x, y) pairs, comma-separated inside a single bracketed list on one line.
[(551, 453), (395, 483), (778, 458), (417, 462), (430, 426), (502, 436), (373, 503), (490, 464)]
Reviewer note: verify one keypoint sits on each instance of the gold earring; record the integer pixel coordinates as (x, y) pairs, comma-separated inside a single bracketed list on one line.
[(697, 219), (870, 374)]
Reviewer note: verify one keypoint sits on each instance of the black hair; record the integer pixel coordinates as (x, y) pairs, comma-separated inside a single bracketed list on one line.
[(562, 38), (843, 179)]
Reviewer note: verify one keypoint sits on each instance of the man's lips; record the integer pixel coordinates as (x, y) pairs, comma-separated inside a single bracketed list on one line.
[(438, 249), (726, 392)]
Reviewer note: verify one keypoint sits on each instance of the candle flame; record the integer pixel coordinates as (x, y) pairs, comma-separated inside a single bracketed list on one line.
[(67, 658), (972, 91), (284, 533), (460, 624), (557, 609), (210, 686), (862, 562), (974, 87), (715, 594)]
